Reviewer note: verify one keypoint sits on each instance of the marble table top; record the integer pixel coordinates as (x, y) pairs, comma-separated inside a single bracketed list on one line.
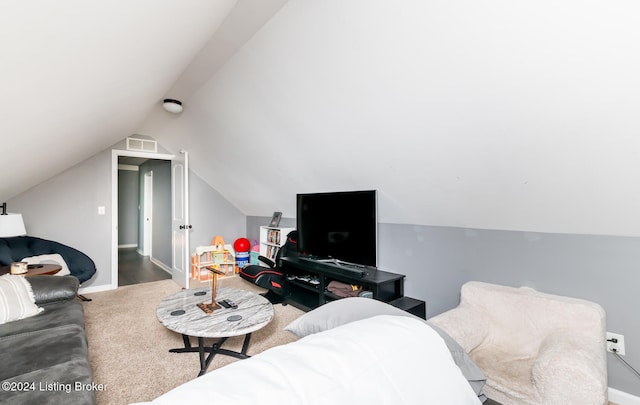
[(256, 312)]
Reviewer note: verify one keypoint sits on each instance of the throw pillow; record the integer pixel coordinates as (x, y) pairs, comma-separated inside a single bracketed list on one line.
[(54, 258), (339, 312), (16, 299)]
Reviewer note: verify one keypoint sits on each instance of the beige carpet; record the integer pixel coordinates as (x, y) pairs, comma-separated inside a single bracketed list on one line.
[(129, 348)]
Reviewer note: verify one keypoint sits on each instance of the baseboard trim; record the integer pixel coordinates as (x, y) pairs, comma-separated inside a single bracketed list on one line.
[(622, 398), (161, 265), (94, 289), (127, 246)]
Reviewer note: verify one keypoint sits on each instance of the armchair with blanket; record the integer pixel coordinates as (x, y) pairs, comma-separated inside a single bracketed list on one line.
[(534, 348)]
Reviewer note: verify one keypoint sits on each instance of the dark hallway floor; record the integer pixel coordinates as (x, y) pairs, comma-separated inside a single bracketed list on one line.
[(134, 268)]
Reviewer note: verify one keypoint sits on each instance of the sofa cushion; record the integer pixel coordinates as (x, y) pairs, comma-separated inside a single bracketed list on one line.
[(54, 315), (40, 349), (65, 383), (48, 289), (16, 299), (55, 356)]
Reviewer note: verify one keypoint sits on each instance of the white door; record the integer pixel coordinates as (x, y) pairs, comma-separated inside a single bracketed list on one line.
[(147, 214), (180, 221)]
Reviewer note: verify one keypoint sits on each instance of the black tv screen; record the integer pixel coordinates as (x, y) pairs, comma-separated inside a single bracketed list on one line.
[(338, 225)]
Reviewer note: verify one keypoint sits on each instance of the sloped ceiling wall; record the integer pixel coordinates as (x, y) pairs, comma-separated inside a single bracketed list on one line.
[(481, 114), (78, 76)]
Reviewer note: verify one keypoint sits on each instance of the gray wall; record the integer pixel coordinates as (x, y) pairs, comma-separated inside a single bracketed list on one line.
[(211, 215), (65, 209), (128, 203), (438, 260)]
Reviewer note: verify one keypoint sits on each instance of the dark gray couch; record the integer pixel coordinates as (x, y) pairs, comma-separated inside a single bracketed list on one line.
[(44, 358)]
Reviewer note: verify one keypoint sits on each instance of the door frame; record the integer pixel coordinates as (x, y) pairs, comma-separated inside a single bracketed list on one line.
[(115, 154), (147, 215)]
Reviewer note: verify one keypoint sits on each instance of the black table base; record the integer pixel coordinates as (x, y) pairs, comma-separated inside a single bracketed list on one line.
[(214, 349)]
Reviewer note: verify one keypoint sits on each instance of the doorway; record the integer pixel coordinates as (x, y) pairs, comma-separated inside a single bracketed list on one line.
[(143, 218), (133, 268)]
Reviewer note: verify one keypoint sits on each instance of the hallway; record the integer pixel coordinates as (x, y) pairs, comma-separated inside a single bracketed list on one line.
[(134, 268)]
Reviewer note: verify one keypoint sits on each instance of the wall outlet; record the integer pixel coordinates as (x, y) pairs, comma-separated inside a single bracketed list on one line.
[(618, 345)]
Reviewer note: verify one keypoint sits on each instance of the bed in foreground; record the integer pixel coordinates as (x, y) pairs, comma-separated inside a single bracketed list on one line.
[(345, 357)]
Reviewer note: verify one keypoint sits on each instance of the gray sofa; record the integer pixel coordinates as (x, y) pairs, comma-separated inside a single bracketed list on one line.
[(44, 358)]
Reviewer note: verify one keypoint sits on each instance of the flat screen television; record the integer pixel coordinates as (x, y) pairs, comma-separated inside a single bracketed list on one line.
[(338, 225)]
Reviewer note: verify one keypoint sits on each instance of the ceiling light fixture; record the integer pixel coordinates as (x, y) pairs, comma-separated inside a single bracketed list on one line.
[(173, 106)]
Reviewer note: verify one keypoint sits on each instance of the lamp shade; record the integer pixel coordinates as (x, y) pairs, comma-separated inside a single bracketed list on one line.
[(173, 106), (11, 225)]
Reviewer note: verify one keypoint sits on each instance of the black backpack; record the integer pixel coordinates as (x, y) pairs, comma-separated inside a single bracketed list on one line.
[(272, 277), (289, 249)]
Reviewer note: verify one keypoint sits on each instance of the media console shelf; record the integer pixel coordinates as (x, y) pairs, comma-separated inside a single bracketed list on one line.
[(307, 295)]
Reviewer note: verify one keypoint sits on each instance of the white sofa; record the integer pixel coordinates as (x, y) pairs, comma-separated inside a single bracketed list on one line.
[(534, 348), (351, 351)]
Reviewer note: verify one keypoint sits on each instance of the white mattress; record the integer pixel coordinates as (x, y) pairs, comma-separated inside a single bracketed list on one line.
[(381, 360)]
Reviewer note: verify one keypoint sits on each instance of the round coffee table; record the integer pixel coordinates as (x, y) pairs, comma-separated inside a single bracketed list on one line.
[(179, 312)]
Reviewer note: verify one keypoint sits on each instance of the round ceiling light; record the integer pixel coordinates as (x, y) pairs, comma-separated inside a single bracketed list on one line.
[(173, 106)]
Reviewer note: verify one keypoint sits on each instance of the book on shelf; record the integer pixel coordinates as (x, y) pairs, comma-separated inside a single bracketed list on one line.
[(272, 251), (273, 236)]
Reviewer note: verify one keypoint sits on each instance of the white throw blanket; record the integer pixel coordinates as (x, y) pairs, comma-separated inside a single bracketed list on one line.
[(381, 360), (534, 348)]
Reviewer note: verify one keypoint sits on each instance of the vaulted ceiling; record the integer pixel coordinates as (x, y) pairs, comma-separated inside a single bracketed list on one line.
[(480, 114), (77, 76)]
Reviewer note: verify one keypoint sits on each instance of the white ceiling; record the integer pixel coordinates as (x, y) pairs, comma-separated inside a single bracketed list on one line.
[(490, 114)]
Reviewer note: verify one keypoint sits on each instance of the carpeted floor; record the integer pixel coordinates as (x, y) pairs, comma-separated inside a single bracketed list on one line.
[(129, 348)]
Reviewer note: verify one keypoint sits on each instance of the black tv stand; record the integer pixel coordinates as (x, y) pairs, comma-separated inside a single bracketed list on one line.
[(308, 278), (340, 265)]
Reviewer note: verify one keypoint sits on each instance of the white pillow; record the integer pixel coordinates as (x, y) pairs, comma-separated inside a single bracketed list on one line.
[(339, 312), (54, 258), (16, 299)]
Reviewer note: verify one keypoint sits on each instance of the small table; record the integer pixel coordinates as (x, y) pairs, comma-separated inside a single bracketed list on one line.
[(35, 270), (179, 312)]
